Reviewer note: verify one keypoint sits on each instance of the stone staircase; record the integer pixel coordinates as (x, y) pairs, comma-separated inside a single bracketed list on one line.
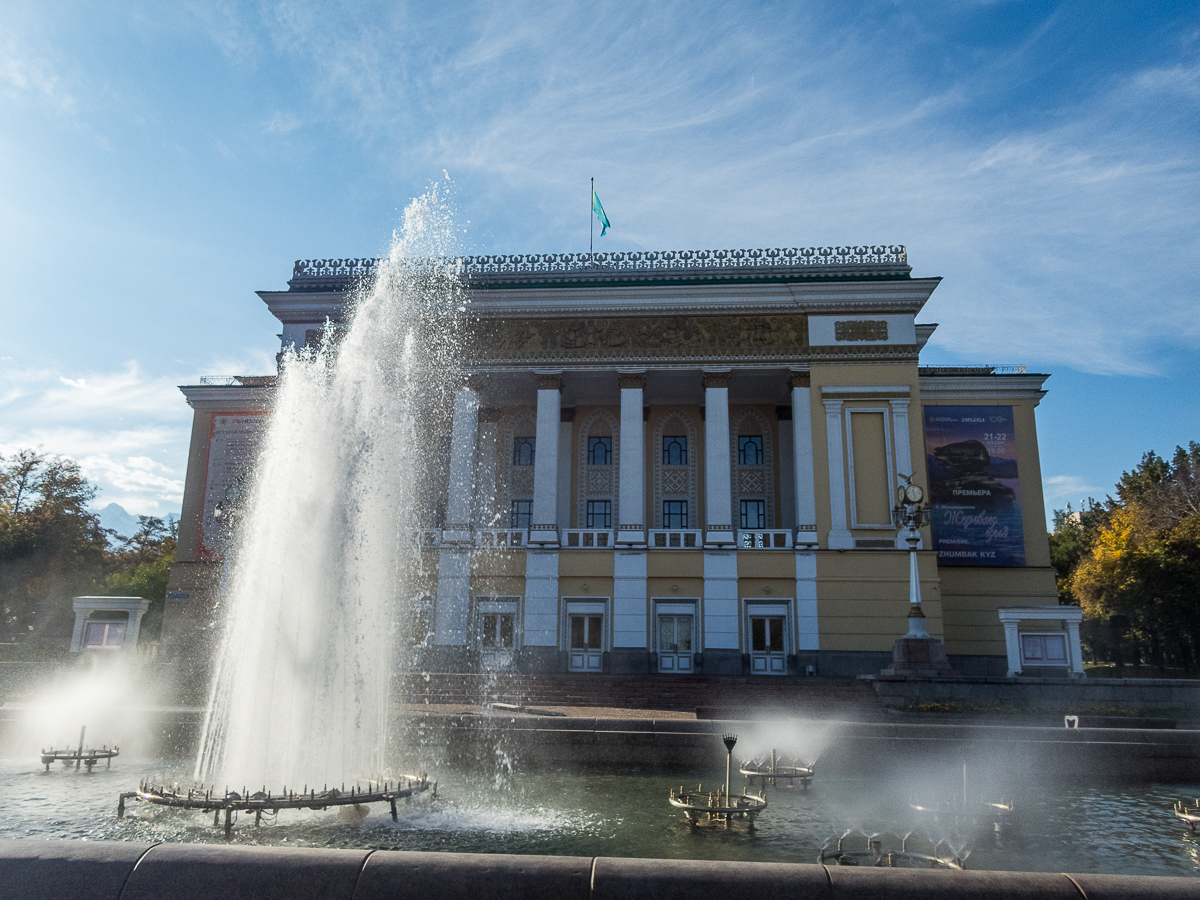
[(796, 695)]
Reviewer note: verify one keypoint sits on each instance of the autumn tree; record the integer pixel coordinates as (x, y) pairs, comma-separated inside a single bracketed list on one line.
[(1141, 565), (51, 546)]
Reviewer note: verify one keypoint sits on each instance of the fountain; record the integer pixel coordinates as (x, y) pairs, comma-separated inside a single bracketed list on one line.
[(324, 559), (720, 806), (774, 773)]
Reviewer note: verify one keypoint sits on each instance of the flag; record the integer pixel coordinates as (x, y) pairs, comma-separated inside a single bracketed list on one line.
[(599, 211)]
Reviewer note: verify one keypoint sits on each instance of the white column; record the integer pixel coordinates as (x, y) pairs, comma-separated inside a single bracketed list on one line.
[(904, 463), (1012, 645), (485, 469), (461, 490), (802, 454), (77, 635), (631, 462), (839, 533), (565, 428), (544, 530), (629, 599), (1074, 648), (787, 471), (718, 492)]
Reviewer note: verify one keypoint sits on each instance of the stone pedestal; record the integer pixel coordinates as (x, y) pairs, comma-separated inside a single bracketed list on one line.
[(919, 656)]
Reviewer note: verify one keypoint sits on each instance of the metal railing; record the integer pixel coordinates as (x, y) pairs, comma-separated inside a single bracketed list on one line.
[(586, 538), (790, 257), (490, 538), (675, 539), (771, 539)]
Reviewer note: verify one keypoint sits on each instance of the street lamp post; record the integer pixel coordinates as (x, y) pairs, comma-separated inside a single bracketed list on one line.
[(910, 515), (918, 652)]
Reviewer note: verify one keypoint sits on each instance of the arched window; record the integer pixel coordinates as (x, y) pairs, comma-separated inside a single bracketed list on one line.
[(675, 489), (753, 475), (515, 456), (596, 488)]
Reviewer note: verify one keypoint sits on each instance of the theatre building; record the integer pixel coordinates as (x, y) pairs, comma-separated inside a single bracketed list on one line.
[(687, 463)]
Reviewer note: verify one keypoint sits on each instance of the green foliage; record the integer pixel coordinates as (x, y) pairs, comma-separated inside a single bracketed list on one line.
[(52, 548), (1133, 564)]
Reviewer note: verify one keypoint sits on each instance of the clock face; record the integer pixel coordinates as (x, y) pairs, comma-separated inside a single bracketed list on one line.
[(233, 491), (913, 493)]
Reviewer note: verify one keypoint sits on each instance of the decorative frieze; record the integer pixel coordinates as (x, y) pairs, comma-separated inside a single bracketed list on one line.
[(861, 330), (694, 336)]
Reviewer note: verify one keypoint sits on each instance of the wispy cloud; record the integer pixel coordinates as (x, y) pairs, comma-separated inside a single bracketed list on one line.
[(127, 430)]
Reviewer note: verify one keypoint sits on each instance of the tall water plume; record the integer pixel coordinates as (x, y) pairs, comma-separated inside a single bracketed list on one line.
[(325, 559)]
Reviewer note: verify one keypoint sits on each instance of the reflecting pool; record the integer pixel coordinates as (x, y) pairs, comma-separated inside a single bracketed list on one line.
[(1069, 828)]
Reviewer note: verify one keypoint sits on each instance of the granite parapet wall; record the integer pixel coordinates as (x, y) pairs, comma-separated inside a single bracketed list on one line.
[(1067, 695), (41, 870)]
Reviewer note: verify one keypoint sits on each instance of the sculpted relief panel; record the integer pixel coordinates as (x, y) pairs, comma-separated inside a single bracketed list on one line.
[(675, 336)]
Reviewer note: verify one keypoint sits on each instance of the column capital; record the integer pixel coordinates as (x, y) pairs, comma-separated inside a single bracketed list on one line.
[(833, 406), (797, 379), (631, 380), (715, 379), (472, 382), (489, 414), (549, 381)]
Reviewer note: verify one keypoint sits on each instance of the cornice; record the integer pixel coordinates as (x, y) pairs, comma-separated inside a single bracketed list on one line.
[(207, 396), (907, 295), (975, 387)]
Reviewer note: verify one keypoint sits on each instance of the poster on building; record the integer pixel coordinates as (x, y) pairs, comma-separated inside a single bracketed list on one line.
[(232, 445), (975, 500)]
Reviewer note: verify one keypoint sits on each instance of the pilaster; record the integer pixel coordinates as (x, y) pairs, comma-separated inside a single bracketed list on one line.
[(839, 532), (718, 492), (461, 490), (631, 461), (544, 528), (802, 456)]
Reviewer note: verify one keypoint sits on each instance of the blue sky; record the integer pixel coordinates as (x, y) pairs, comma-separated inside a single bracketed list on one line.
[(159, 162)]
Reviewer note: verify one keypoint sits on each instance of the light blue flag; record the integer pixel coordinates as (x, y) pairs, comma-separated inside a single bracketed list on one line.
[(599, 211)]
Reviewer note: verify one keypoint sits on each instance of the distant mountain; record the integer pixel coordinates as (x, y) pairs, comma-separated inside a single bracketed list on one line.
[(115, 517)]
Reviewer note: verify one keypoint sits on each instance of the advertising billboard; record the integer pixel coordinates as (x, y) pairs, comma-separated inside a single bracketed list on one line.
[(974, 491)]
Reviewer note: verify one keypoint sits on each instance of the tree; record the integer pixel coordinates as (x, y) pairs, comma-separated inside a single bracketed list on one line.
[(141, 567), (51, 546), (1141, 563)]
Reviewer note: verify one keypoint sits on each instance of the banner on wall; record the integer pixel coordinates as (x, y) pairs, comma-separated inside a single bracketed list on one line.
[(232, 445), (974, 491)]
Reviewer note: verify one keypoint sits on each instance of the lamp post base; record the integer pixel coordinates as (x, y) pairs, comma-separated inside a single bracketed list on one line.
[(919, 656)]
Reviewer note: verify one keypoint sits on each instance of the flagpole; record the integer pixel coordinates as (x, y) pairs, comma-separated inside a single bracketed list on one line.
[(591, 218)]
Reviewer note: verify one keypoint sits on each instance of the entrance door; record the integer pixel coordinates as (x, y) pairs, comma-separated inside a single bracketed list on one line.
[(674, 643), (497, 640), (767, 654), (587, 643)]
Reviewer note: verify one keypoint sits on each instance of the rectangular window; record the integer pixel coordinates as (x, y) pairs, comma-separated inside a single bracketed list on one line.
[(498, 631), (675, 514), (522, 514), (599, 514), (674, 449), (754, 514), (600, 451), (766, 634), (1043, 650), (523, 451), (750, 450)]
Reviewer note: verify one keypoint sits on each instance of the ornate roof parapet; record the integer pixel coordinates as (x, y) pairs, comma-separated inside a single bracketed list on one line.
[(500, 270)]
